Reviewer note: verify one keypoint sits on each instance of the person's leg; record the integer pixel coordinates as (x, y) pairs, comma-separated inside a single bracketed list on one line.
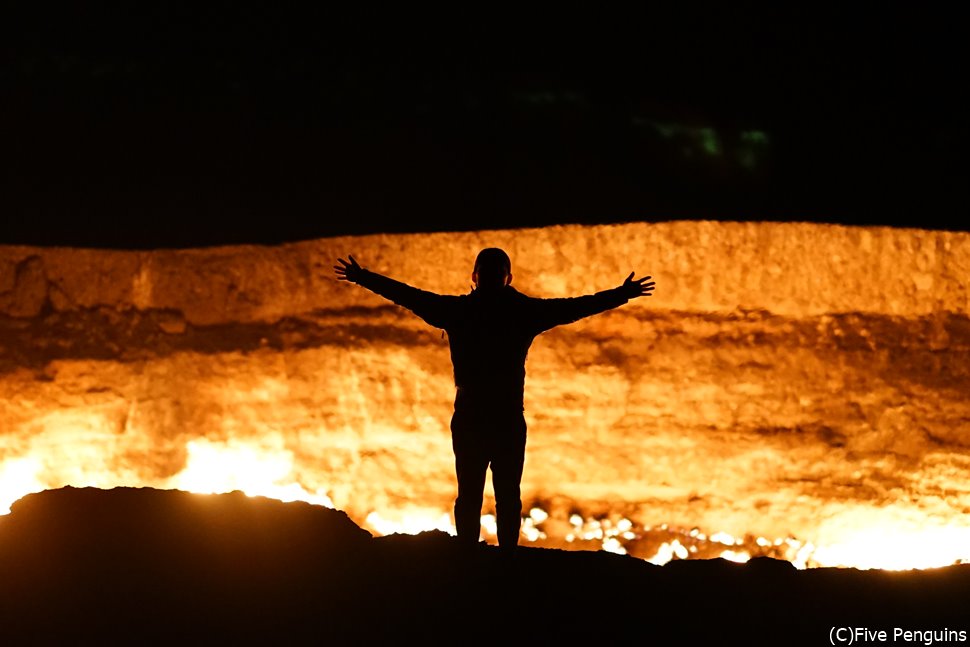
[(508, 461), (471, 463)]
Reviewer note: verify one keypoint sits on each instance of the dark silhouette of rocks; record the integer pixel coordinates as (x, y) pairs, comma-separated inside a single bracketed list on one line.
[(137, 566)]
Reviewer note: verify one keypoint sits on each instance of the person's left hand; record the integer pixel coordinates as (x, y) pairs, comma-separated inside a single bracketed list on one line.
[(348, 271), (633, 288)]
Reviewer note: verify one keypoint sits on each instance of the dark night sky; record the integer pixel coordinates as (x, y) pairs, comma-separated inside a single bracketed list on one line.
[(158, 125)]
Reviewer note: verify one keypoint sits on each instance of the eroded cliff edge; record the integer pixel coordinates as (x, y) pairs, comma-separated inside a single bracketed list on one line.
[(785, 380)]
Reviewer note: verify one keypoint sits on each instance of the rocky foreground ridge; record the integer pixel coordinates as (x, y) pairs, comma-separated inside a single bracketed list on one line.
[(137, 566)]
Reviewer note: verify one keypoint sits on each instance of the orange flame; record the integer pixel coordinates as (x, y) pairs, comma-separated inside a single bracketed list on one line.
[(816, 417), (870, 540)]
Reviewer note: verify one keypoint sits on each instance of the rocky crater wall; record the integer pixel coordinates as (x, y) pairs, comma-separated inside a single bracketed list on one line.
[(786, 379)]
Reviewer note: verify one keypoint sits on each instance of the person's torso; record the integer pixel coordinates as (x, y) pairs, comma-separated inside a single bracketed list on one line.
[(490, 336)]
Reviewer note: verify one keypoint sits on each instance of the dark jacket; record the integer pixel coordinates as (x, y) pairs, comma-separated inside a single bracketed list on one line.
[(490, 331)]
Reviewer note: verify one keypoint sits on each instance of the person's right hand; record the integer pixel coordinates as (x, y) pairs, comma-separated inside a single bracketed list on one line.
[(633, 288), (348, 271)]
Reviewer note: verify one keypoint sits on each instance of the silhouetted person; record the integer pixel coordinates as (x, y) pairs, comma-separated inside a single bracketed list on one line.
[(490, 331)]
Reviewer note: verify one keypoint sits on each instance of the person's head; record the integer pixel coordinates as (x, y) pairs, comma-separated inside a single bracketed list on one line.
[(493, 269)]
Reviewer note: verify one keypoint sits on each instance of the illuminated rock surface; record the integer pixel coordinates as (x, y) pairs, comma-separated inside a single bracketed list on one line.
[(88, 566), (785, 381)]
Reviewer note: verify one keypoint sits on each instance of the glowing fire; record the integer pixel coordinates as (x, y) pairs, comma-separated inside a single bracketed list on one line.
[(18, 478), (218, 467), (410, 522), (756, 408)]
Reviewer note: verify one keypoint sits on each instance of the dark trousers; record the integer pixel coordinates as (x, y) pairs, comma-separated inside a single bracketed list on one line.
[(482, 438)]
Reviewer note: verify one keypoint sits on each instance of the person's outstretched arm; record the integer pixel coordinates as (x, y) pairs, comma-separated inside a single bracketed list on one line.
[(555, 312), (429, 306)]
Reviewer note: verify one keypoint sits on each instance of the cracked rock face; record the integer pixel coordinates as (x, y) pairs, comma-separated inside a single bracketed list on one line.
[(786, 380)]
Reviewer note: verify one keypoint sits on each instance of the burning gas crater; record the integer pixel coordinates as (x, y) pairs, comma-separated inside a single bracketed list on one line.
[(215, 469), (792, 390)]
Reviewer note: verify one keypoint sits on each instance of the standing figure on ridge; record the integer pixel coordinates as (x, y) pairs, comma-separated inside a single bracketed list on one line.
[(489, 331)]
